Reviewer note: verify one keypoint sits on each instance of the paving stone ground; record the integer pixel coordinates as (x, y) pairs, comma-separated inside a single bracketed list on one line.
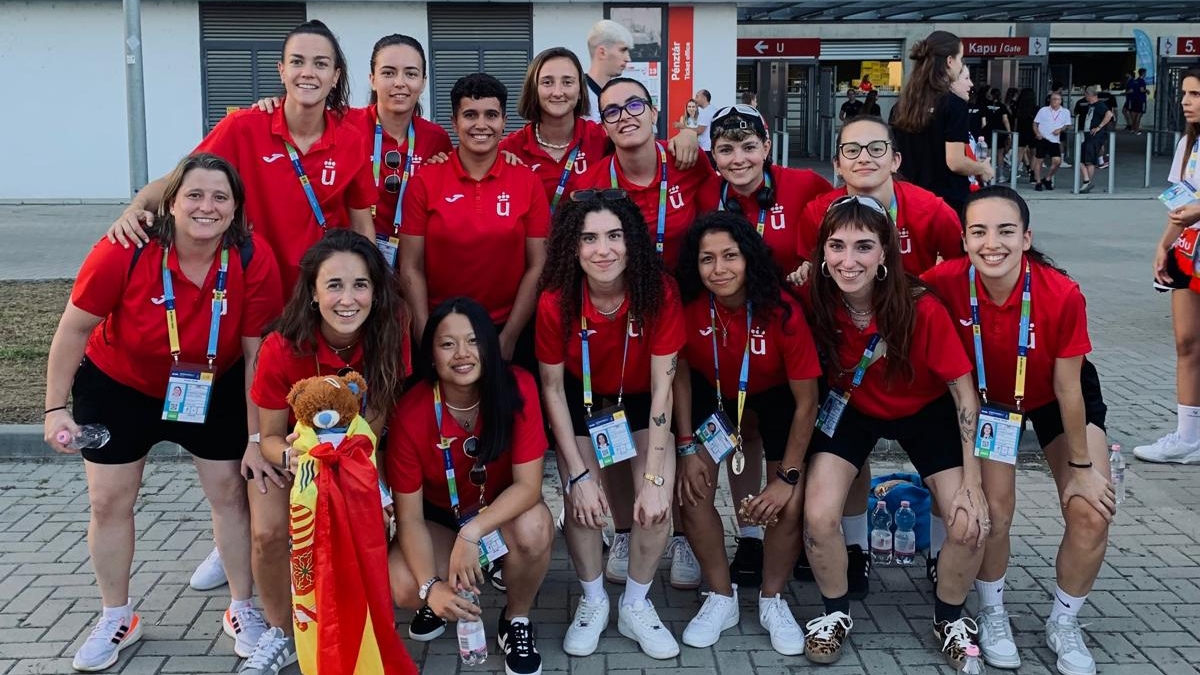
[(1143, 616)]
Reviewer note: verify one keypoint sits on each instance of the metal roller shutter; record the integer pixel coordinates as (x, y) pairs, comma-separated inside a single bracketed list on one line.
[(1061, 45), (867, 50), (239, 50), (463, 39)]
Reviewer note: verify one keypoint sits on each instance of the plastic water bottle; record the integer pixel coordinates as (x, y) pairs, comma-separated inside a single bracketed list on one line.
[(881, 535), (90, 436), (981, 150), (472, 640), (972, 665), (1116, 467), (904, 543)]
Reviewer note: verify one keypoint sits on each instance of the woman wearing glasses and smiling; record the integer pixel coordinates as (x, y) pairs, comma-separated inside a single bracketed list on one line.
[(464, 461)]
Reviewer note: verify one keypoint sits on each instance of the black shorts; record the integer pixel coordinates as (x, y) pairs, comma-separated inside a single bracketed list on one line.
[(1028, 140), (1047, 419), (775, 408), (135, 419), (1047, 148), (637, 406), (1138, 107), (1089, 151), (436, 514), (930, 437)]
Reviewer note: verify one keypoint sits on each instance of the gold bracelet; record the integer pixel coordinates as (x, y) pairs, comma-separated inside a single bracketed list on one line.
[(469, 541)]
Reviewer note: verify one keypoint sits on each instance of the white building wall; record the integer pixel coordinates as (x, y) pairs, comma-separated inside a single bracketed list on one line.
[(716, 51), (564, 25)]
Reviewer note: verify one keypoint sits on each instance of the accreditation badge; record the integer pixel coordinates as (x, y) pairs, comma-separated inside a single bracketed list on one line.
[(491, 545), (611, 437), (389, 247), (716, 432), (189, 391), (998, 434), (1178, 195), (831, 411)]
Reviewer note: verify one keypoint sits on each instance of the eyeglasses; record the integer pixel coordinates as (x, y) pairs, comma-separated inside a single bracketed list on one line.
[(394, 161), (595, 195), (634, 106), (869, 202), (853, 150)]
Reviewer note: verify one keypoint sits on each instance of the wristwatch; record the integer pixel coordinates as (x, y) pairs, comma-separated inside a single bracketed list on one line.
[(790, 475), (656, 480), (255, 437), (423, 591)]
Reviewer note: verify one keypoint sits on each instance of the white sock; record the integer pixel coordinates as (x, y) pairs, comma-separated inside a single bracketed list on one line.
[(519, 619), (235, 605), (1189, 423), (124, 611), (854, 531), (991, 593), (750, 532), (1065, 604), (593, 590), (937, 535), (635, 592)]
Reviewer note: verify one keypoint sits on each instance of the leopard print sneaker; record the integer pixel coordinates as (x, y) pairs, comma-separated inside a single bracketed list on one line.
[(954, 636), (825, 636)]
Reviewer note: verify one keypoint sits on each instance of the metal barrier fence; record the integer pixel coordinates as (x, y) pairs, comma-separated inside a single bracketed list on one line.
[(780, 147)]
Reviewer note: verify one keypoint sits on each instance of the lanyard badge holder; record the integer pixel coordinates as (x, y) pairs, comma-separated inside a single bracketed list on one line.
[(720, 437), (189, 386), (491, 545), (830, 414), (390, 246), (998, 433), (661, 234), (562, 181), (306, 184), (612, 439)]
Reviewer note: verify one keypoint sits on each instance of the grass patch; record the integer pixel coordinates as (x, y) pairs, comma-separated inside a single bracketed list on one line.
[(28, 317)]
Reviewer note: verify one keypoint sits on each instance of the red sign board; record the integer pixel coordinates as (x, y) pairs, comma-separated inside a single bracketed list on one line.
[(680, 61), (1187, 46), (778, 48), (999, 47)]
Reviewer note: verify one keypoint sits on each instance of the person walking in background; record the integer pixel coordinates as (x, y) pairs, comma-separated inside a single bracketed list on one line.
[(1048, 125), (1136, 94), (748, 98), (999, 121), (1095, 131), (608, 48), (1024, 110), (704, 100)]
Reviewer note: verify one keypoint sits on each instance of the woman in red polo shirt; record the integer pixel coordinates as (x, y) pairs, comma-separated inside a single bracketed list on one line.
[(609, 324), (464, 462), (893, 370), (345, 314), (735, 311), (127, 356), (475, 225), (303, 165), (1003, 286)]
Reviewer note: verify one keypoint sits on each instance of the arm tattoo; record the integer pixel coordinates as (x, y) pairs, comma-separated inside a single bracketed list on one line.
[(966, 425), (660, 420), (809, 542), (674, 366)]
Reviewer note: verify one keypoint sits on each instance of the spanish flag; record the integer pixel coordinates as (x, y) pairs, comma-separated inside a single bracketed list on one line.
[(341, 600)]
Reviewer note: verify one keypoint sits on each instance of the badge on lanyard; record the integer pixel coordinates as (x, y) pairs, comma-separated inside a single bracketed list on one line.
[(491, 545), (612, 439), (834, 405), (189, 386), (1178, 195), (998, 432), (719, 435), (389, 247), (716, 432)]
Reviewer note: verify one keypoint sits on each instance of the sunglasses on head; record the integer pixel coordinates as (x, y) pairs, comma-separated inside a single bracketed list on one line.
[(853, 150), (634, 106), (596, 195), (740, 109), (393, 160), (869, 202)]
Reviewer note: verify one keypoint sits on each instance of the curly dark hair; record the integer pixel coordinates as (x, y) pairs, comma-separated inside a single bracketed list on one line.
[(762, 272), (894, 298), (643, 269)]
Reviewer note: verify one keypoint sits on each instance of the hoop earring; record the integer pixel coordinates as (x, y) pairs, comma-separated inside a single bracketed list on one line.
[(885, 272), (313, 305), (825, 271)]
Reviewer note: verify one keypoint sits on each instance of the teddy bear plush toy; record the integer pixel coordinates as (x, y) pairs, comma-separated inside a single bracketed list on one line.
[(341, 600)]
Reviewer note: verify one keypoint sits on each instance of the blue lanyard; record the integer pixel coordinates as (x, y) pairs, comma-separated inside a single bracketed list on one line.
[(1022, 336), (864, 363), (662, 194), (562, 182), (1190, 170), (444, 443), (306, 184), (218, 303), (744, 376), (377, 157), (587, 359), (762, 213)]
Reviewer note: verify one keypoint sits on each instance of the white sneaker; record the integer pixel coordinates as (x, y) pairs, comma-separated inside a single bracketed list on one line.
[(583, 635), (616, 570), (1169, 448), (245, 626), (718, 613), (996, 638), (1065, 638), (210, 573), (109, 636), (642, 625), (776, 618), (685, 570), (274, 652)]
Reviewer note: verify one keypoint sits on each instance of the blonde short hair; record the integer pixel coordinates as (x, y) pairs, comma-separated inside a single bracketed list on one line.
[(605, 33)]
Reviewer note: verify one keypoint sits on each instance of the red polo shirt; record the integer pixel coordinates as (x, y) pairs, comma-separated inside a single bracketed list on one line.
[(606, 341), (131, 344), (281, 365), (430, 140), (794, 189), (1057, 327), (779, 352), (689, 194), (475, 231), (935, 354), (415, 462), (589, 137), (927, 226), (276, 203)]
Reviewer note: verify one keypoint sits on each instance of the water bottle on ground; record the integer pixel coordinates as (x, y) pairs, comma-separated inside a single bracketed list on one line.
[(972, 665), (904, 542), (881, 535), (472, 641), (90, 436), (1116, 467)]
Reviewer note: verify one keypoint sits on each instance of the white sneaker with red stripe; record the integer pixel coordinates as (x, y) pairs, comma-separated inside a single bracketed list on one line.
[(245, 625), (111, 634)]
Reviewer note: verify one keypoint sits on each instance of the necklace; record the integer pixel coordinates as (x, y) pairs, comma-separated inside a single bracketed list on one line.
[(466, 409), (466, 421), (610, 313), (724, 329), (856, 312), (339, 350), (544, 143)]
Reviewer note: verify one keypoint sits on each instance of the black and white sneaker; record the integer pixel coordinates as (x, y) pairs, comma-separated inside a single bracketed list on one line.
[(858, 572), (515, 639), (931, 570), (494, 573), (426, 625)]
